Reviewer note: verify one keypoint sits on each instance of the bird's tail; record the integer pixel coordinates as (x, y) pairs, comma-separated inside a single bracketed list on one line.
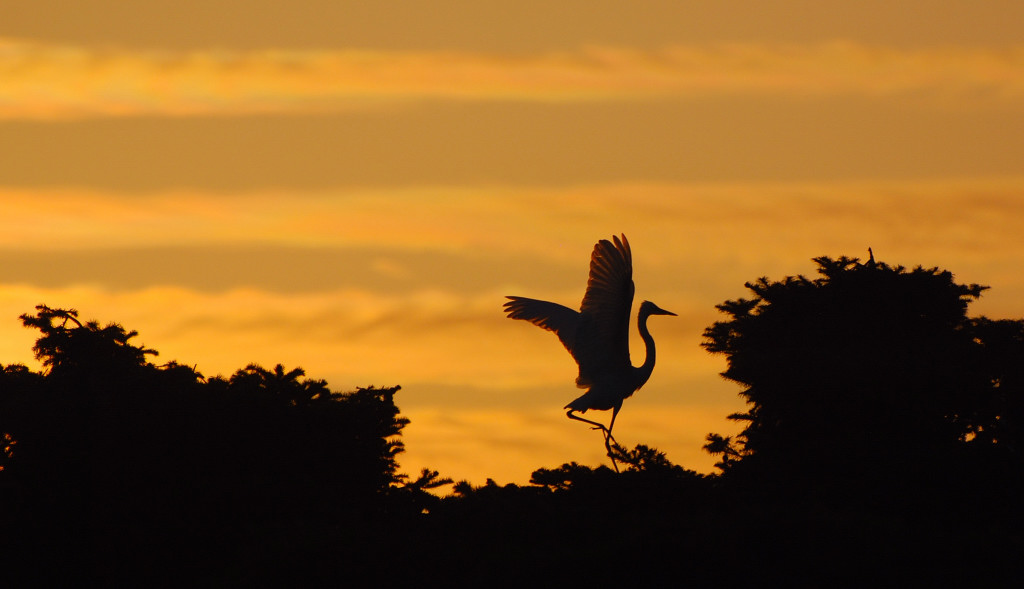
[(579, 404)]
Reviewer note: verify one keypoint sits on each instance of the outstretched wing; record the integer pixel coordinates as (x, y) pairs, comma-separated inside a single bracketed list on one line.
[(602, 334), (551, 316)]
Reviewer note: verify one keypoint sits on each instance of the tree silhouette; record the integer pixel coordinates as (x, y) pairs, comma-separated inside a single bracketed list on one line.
[(724, 446), (869, 370), (882, 427), (114, 463), (882, 442), (997, 418)]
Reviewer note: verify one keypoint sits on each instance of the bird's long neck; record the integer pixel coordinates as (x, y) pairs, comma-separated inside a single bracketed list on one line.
[(643, 372)]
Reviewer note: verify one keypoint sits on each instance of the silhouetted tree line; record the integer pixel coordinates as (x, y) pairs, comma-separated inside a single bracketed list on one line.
[(882, 442), (121, 470), (870, 373)]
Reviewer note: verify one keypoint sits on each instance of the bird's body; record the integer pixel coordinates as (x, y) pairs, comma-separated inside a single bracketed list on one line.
[(597, 335)]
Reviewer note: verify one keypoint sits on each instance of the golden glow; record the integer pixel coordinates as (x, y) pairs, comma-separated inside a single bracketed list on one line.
[(48, 81), (492, 216), (694, 246), (353, 193)]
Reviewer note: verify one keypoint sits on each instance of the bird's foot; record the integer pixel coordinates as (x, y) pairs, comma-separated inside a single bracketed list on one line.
[(604, 430)]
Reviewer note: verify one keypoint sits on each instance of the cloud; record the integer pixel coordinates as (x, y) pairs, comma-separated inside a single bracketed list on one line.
[(354, 337), (47, 81), (695, 244), (484, 223), (529, 26), (747, 137)]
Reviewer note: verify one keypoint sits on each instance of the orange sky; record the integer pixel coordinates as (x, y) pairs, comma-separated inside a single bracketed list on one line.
[(354, 189)]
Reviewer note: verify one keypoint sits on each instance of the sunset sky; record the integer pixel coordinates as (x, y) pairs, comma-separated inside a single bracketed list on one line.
[(353, 188)]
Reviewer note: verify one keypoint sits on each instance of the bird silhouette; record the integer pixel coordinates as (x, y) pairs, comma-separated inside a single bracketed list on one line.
[(597, 335)]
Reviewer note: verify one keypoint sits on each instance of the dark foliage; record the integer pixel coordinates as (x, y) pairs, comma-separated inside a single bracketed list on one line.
[(133, 471), (868, 369), (882, 445), (880, 412)]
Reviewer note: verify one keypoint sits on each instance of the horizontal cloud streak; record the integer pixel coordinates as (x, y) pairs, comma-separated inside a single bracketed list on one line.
[(281, 268), (716, 138), (358, 337), (479, 221), (695, 242), (42, 81), (527, 27)]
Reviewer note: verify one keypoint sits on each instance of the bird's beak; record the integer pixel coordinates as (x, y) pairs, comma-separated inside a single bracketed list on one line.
[(660, 311)]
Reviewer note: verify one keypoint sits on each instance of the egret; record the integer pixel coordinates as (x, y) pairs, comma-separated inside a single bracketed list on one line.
[(597, 335)]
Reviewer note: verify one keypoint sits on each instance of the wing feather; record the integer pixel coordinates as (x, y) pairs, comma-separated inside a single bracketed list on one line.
[(598, 335), (602, 334), (551, 316)]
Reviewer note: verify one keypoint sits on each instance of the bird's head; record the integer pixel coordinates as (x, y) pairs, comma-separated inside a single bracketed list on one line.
[(649, 308)]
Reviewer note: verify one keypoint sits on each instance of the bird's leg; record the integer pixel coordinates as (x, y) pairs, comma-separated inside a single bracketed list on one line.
[(611, 454), (596, 425), (609, 439), (608, 433)]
